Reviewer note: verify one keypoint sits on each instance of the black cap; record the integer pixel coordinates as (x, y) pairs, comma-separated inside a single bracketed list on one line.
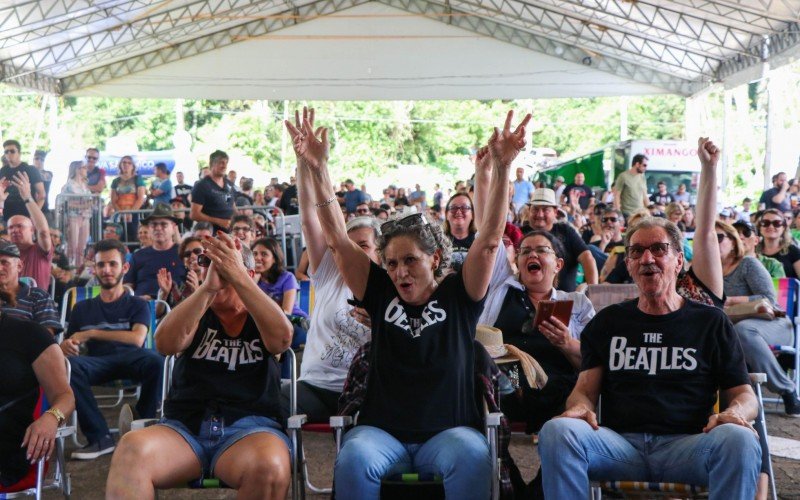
[(8, 248)]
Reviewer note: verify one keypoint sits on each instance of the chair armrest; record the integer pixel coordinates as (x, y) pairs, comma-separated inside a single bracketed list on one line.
[(297, 421), (65, 431), (493, 419), (341, 421), (758, 378), (141, 423)]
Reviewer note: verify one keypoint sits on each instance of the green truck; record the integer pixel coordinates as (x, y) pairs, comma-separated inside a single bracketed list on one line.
[(674, 162)]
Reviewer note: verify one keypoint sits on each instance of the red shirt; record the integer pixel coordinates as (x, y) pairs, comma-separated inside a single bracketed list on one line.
[(36, 264)]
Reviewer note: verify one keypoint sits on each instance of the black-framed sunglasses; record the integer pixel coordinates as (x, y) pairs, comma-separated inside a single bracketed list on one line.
[(194, 251), (774, 223), (91, 158), (10, 151), (609, 219), (659, 249), (721, 237), (412, 220), (745, 228)]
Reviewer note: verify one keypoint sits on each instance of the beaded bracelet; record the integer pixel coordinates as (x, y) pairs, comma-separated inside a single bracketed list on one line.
[(325, 203)]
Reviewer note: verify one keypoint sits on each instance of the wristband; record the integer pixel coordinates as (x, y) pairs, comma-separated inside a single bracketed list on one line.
[(325, 203), (29, 199)]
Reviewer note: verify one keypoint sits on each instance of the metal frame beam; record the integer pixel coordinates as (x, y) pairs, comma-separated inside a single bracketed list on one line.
[(23, 30), (218, 39), (546, 45), (594, 39), (32, 80)]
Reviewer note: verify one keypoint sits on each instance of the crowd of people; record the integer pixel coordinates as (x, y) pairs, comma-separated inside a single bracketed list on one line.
[(401, 286)]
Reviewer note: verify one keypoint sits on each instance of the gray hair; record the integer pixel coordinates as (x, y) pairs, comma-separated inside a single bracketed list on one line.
[(248, 259), (365, 221), (673, 232), (428, 237)]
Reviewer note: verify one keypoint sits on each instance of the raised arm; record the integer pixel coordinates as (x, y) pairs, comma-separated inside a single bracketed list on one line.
[(311, 148), (312, 229), (483, 176), (38, 219), (504, 145), (176, 329), (706, 263)]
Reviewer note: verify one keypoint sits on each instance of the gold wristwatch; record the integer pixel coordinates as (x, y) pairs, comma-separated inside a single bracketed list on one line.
[(58, 414)]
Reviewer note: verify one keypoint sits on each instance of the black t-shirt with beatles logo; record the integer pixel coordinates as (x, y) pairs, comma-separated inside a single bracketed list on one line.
[(661, 373), (230, 376), (421, 375)]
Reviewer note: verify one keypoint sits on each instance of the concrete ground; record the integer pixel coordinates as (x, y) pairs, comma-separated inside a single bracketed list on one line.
[(89, 477)]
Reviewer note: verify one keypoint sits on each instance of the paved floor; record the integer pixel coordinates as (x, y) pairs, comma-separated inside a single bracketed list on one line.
[(88, 478)]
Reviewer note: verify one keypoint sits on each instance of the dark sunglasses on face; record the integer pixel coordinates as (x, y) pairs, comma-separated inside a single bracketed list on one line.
[(721, 237), (194, 251), (91, 158), (10, 151), (459, 208), (774, 223), (745, 228), (657, 249), (609, 219)]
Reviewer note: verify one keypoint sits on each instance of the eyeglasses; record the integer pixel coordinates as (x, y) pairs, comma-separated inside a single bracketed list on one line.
[(610, 219), (10, 151), (657, 249), (743, 227), (241, 229), (412, 220), (92, 158), (160, 224), (541, 251), (774, 223), (459, 208), (721, 237), (194, 251)]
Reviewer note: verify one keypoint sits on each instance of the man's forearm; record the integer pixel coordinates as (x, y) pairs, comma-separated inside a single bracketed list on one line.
[(273, 325), (177, 328), (39, 224), (577, 398), (131, 337), (201, 217)]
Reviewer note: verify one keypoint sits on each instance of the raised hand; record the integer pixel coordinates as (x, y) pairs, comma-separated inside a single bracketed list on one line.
[(192, 281), (311, 146), (23, 184), (483, 160), (164, 279), (505, 145), (707, 152), (226, 256)]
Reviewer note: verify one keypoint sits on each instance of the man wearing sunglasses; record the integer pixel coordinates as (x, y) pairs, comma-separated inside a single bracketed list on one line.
[(14, 203), (612, 222), (95, 176), (659, 362)]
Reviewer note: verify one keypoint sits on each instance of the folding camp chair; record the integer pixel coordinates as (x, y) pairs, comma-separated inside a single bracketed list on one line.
[(35, 482), (643, 489), (210, 483), (606, 294)]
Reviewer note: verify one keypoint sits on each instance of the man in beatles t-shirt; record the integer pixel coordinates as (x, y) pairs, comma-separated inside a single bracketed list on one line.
[(658, 362)]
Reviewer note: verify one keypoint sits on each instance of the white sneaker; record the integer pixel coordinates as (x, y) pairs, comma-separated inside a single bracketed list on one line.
[(94, 450), (125, 420)]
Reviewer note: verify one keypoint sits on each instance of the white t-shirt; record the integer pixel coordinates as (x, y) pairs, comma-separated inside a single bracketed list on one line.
[(333, 335)]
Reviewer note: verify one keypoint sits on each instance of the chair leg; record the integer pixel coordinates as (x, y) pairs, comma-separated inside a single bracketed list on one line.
[(39, 478), (761, 426), (308, 482)]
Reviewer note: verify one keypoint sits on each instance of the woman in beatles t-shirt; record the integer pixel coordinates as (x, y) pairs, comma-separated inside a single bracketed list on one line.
[(420, 412)]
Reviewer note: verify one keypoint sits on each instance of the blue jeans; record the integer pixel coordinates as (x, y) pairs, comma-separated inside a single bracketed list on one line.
[(131, 363), (726, 459), (460, 455)]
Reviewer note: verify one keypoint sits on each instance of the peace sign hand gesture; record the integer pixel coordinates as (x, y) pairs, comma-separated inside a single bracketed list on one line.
[(311, 146), (504, 145)]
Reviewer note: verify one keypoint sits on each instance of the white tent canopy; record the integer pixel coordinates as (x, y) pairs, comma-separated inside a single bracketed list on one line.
[(391, 49)]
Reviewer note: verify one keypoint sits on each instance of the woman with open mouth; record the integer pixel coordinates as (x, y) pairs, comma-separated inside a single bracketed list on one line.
[(420, 413)]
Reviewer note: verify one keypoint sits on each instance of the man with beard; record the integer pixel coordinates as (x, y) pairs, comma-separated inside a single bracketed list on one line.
[(542, 215), (113, 327)]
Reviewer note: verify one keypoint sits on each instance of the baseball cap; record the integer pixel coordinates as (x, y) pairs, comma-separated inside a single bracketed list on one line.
[(9, 249)]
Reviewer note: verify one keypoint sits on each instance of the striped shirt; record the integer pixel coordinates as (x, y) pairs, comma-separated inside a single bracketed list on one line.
[(34, 304)]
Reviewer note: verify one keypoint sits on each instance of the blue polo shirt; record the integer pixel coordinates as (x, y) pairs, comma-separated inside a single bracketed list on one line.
[(145, 264)]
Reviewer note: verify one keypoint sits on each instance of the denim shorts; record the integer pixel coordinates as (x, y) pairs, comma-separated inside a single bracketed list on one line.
[(214, 437)]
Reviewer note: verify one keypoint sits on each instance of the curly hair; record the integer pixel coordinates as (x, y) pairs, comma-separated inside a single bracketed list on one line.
[(429, 237)]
